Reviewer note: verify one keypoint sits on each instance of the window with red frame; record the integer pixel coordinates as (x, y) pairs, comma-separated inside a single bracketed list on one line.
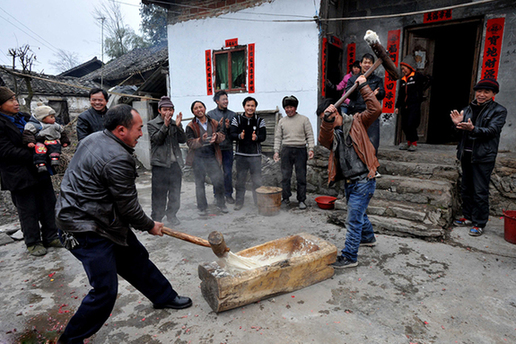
[(230, 69)]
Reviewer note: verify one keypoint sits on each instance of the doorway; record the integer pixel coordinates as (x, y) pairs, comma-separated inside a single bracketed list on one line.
[(448, 53)]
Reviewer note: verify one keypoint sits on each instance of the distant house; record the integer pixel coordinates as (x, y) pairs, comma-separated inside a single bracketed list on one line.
[(84, 68), (271, 48), (68, 96)]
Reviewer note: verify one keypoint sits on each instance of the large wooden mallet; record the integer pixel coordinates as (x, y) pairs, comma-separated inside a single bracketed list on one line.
[(215, 240), (383, 59)]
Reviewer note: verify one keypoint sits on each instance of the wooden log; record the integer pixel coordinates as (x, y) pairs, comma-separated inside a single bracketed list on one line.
[(307, 261)]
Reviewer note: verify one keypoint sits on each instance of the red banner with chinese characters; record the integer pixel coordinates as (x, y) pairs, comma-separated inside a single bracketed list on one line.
[(351, 55), (492, 48), (437, 16), (393, 47), (324, 58), (209, 81), (231, 42), (250, 66)]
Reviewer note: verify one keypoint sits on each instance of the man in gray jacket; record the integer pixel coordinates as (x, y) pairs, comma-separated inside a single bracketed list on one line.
[(166, 160)]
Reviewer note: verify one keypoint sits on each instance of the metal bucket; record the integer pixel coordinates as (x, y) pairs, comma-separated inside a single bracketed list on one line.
[(269, 200)]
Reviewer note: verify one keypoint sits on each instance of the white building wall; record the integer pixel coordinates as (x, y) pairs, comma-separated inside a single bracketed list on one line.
[(286, 56)]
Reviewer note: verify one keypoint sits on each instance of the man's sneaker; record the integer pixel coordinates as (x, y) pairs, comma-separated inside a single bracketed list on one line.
[(55, 243), (463, 222), (223, 209), (238, 206), (343, 262), (203, 212), (302, 205), (230, 200), (285, 201), (368, 243), (403, 146), (476, 231), (412, 148), (37, 250)]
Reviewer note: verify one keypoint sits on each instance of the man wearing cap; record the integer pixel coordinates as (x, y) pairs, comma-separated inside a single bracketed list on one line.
[(408, 104), (166, 161), (293, 134), (31, 192), (479, 125)]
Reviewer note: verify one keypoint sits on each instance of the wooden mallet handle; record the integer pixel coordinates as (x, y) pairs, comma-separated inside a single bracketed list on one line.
[(186, 237)]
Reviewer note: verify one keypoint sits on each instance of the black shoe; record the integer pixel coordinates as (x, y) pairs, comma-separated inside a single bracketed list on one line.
[(230, 200), (238, 206), (223, 209), (368, 243), (179, 302), (343, 262), (203, 212), (41, 168), (173, 221), (286, 201)]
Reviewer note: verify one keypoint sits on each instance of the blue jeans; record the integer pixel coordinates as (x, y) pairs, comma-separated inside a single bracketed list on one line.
[(359, 228)]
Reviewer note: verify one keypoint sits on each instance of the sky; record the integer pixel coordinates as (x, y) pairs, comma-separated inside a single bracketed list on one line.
[(57, 24)]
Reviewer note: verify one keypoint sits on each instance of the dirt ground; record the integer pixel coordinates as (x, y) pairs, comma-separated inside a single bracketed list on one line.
[(405, 290)]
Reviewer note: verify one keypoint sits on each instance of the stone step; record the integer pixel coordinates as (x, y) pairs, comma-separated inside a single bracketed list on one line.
[(393, 226), (419, 170)]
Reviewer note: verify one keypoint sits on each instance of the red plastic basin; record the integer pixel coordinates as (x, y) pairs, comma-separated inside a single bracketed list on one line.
[(326, 202)]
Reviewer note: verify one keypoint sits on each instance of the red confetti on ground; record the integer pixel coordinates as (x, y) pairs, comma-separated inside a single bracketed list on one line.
[(293, 296), (143, 319), (442, 327), (51, 275), (359, 279), (60, 311), (426, 322)]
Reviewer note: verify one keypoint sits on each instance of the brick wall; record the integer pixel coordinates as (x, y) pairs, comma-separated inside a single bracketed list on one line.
[(195, 9)]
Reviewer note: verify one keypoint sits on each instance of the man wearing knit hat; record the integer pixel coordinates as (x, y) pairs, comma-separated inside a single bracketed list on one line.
[(32, 193), (46, 137), (408, 104), (293, 134), (479, 125), (166, 161)]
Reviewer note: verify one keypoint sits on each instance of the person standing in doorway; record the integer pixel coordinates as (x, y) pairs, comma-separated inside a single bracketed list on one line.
[(31, 192), (480, 125), (408, 105), (91, 120), (248, 130), (166, 161), (293, 134), (357, 103), (355, 70), (203, 138), (222, 114)]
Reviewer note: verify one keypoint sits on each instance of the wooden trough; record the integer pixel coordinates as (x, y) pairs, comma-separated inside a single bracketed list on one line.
[(297, 262)]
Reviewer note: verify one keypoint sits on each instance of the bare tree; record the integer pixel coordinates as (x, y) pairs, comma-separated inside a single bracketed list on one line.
[(120, 38), (65, 60), (26, 58)]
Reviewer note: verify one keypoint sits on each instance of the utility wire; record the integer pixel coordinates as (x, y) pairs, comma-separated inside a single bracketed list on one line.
[(50, 46)]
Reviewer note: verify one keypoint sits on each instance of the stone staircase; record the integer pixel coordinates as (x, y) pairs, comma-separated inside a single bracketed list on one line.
[(417, 193)]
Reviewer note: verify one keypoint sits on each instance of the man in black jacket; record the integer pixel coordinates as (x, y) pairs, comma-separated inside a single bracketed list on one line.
[(248, 130), (357, 103), (166, 161), (91, 120), (32, 193), (480, 125), (96, 207)]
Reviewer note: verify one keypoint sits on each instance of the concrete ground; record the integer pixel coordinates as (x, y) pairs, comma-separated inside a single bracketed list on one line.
[(405, 290)]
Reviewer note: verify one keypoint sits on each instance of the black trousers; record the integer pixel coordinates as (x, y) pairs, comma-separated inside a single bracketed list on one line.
[(103, 261), (35, 206), (244, 164), (410, 119), (208, 165), (166, 183), (475, 190), (292, 156)]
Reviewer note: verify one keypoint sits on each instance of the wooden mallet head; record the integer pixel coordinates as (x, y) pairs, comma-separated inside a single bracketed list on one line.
[(217, 243)]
